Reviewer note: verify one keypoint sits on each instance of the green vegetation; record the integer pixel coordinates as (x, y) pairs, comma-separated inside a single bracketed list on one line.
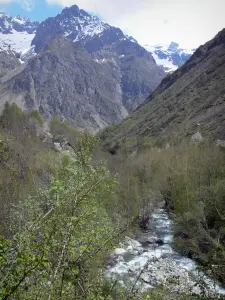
[(61, 234), (26, 163), (190, 179), (63, 131), (37, 116), (62, 213)]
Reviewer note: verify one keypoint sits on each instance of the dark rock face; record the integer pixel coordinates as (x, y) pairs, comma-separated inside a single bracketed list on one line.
[(65, 81), (190, 100), (137, 73), (134, 66), (8, 62)]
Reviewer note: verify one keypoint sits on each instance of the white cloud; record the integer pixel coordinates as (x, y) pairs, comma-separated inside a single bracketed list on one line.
[(27, 5), (5, 1), (109, 9)]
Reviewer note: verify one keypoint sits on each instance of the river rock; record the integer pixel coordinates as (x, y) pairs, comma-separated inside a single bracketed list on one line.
[(132, 246), (148, 240), (158, 263), (167, 272), (159, 242), (119, 251)]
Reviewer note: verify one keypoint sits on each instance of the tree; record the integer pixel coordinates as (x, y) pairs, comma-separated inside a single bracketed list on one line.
[(60, 235)]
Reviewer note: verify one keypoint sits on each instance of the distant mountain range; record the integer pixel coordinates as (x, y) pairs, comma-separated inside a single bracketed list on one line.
[(169, 57), (19, 32)]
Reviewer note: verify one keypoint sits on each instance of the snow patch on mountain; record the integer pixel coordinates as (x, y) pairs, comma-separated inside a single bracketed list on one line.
[(16, 33), (17, 41), (84, 26), (169, 57), (165, 63)]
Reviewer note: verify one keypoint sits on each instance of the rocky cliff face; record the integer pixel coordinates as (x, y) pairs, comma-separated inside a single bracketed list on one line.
[(190, 100), (137, 70), (9, 61), (64, 80), (139, 74)]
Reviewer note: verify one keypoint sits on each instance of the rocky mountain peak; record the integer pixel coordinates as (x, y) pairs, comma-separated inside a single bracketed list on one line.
[(173, 46), (71, 11), (74, 23), (74, 11)]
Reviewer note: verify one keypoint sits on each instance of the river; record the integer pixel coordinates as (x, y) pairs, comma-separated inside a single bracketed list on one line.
[(153, 261)]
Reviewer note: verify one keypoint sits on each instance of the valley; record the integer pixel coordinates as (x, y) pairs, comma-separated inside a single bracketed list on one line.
[(112, 163)]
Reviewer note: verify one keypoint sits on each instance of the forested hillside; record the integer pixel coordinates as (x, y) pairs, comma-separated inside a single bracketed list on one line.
[(63, 211)]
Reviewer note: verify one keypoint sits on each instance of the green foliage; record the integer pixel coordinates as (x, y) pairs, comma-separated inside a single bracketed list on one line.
[(61, 234), (150, 143), (25, 162), (56, 241), (190, 178), (193, 188), (11, 117), (37, 116), (62, 131)]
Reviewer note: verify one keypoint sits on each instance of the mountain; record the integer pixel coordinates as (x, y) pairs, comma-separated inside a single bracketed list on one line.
[(58, 82), (169, 57), (9, 61), (139, 74), (191, 100), (78, 26), (82, 70), (16, 33)]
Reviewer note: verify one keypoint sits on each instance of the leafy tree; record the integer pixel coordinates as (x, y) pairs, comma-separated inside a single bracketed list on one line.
[(60, 235), (37, 116)]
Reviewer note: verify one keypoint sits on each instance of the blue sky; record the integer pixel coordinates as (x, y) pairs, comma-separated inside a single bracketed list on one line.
[(187, 22), (41, 10)]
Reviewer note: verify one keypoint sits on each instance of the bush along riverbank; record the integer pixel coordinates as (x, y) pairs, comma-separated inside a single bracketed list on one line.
[(190, 178)]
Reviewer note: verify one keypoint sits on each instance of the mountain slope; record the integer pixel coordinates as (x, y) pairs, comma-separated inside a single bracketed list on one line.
[(190, 100), (8, 62), (107, 45), (138, 71), (169, 57), (64, 80), (16, 33)]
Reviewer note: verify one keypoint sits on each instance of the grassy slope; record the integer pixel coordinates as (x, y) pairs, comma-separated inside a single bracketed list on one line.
[(191, 99)]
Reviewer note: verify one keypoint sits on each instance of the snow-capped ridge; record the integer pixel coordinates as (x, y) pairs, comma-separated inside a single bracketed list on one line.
[(75, 19), (16, 33), (169, 57)]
